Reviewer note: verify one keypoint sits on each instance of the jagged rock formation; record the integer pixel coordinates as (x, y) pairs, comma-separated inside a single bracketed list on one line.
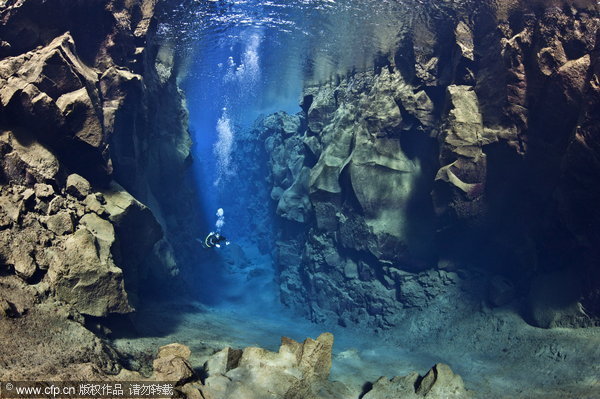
[(172, 364), (473, 147), (301, 371), (298, 370), (87, 170)]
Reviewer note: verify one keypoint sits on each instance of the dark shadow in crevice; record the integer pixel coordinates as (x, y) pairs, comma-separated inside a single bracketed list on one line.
[(366, 388), (348, 196), (380, 61)]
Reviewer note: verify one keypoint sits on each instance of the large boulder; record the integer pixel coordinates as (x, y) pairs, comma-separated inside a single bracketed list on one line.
[(60, 223), (172, 364), (118, 86), (77, 186), (297, 370), (31, 236), (439, 383), (84, 275), (82, 117), (136, 226), (223, 361), (25, 160)]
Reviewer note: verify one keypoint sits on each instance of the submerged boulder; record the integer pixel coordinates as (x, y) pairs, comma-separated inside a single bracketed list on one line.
[(78, 186), (137, 234), (25, 160), (84, 275), (60, 223), (301, 371), (223, 361), (172, 364), (439, 383), (297, 370)]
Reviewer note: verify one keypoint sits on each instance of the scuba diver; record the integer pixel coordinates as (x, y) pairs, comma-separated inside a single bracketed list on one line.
[(213, 240)]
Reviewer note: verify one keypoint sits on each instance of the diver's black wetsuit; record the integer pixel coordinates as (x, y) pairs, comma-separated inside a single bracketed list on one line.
[(214, 240)]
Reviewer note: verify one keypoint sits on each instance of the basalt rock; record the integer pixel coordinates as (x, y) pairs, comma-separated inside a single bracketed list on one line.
[(52, 94), (297, 370), (77, 186), (83, 271), (476, 147), (67, 245), (137, 231), (301, 371), (439, 382), (287, 163), (172, 364), (460, 181), (223, 361), (78, 93), (77, 108)]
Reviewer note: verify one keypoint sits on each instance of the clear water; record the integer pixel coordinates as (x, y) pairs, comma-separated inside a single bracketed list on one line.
[(251, 57), (299, 40), (245, 58)]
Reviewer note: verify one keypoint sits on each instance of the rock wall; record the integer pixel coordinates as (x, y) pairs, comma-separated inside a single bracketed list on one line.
[(463, 168), (94, 148)]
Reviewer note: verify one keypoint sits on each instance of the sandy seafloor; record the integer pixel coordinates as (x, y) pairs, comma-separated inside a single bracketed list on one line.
[(497, 353)]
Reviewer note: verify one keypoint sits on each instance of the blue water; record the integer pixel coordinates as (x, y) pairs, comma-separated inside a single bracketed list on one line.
[(225, 95), (249, 57), (244, 59)]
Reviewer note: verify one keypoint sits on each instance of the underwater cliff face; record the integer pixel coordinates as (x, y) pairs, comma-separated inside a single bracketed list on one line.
[(469, 152), (93, 131)]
